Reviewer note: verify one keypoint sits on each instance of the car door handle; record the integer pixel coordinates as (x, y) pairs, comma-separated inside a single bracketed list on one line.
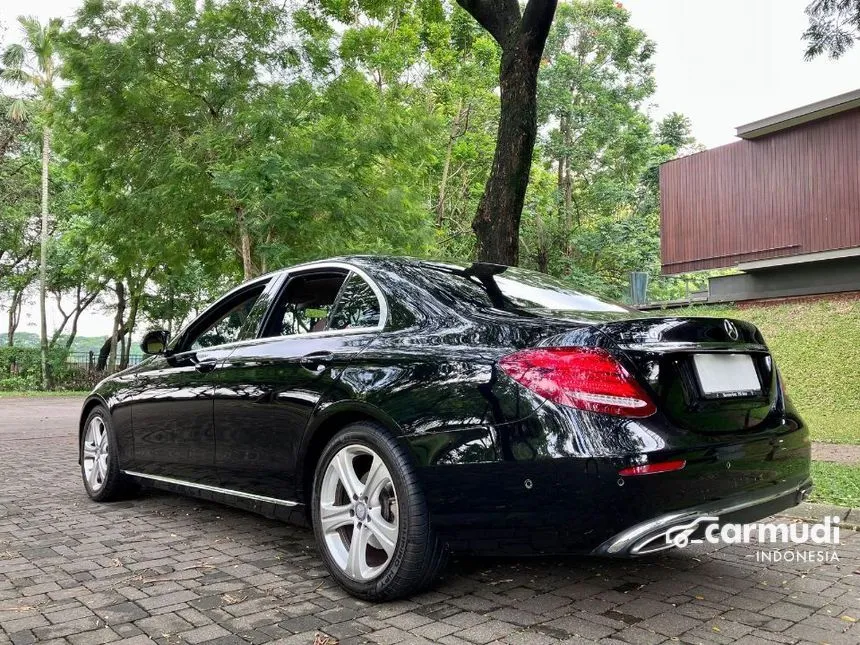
[(316, 361), (206, 365)]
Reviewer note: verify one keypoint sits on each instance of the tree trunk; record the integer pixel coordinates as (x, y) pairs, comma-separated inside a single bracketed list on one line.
[(14, 315), (74, 330), (440, 205), (542, 255), (522, 36), (446, 168), (170, 306), (245, 243), (117, 325), (497, 222), (129, 328), (104, 353), (66, 316), (82, 304), (43, 257)]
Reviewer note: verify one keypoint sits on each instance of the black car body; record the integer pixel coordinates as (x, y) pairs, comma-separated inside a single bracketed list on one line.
[(447, 359)]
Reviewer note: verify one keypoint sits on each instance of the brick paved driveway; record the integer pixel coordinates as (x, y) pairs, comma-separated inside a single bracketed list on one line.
[(172, 569)]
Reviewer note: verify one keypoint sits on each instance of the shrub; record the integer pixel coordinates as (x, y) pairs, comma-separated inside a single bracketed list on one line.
[(21, 369)]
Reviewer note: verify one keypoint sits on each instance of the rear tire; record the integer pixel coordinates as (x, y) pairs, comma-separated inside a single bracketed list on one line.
[(373, 531), (103, 480)]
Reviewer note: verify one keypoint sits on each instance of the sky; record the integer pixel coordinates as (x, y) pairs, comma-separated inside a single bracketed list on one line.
[(723, 63)]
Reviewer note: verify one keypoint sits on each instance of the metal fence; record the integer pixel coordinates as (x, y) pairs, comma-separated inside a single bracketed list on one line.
[(88, 360)]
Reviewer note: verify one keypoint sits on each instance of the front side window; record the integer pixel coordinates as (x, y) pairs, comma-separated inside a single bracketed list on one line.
[(226, 325), (358, 306)]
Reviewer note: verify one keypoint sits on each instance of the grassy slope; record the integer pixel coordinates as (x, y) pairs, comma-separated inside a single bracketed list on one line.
[(836, 484), (817, 348)]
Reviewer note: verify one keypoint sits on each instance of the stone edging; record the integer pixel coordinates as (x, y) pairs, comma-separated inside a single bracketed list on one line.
[(850, 517)]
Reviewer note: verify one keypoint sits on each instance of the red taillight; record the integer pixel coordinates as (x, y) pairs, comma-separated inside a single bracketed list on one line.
[(653, 469), (587, 378)]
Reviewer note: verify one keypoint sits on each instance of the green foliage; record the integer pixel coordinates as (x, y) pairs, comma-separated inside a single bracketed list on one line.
[(834, 26), (201, 142), (240, 151), (816, 346), (836, 484), (19, 186), (601, 220), (20, 369)]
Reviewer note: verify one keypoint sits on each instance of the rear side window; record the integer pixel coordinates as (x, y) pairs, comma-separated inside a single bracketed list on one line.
[(516, 290), (306, 303), (358, 306), (534, 290)]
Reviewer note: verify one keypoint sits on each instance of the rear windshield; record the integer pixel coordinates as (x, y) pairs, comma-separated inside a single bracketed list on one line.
[(515, 289)]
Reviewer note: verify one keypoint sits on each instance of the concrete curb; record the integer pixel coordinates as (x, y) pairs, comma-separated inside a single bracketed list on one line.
[(849, 517)]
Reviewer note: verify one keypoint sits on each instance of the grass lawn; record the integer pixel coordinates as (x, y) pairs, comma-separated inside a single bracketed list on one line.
[(40, 394), (817, 348), (836, 484)]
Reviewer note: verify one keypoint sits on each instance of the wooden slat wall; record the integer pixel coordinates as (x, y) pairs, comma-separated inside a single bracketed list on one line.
[(788, 193)]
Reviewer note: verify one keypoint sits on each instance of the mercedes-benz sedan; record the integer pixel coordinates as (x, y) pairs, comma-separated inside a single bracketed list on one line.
[(407, 409)]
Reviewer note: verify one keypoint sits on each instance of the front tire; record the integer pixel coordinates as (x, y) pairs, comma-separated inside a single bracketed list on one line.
[(103, 480), (370, 517)]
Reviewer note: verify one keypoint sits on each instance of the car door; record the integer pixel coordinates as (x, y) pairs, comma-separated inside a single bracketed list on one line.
[(268, 388), (172, 410)]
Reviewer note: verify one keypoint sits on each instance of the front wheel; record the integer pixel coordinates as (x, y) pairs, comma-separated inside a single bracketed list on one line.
[(103, 480), (370, 517)]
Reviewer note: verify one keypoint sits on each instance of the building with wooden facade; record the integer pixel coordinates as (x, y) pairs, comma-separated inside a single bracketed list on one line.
[(782, 205)]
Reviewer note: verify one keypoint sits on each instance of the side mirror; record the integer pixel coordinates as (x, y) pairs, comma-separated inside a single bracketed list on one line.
[(154, 342)]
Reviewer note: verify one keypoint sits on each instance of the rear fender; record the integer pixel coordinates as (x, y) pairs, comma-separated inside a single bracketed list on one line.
[(328, 419)]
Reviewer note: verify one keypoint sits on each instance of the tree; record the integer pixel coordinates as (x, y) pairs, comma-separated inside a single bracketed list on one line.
[(34, 64), (834, 26), (521, 36), (75, 274), (19, 234), (433, 67), (239, 159), (597, 72)]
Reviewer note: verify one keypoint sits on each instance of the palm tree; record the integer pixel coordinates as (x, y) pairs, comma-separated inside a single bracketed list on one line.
[(34, 64)]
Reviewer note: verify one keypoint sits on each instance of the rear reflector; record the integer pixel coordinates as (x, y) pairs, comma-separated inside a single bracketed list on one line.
[(653, 469), (586, 378)]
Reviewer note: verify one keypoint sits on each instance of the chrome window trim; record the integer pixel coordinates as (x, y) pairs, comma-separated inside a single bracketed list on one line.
[(326, 264), (212, 489), (280, 278), (266, 280)]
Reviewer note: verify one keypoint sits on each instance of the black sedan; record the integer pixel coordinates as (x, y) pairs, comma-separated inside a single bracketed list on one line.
[(407, 409)]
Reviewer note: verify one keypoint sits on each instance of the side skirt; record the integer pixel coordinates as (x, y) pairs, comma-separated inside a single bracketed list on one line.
[(272, 507)]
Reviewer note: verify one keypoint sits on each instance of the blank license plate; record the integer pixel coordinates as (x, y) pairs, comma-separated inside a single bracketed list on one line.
[(727, 375)]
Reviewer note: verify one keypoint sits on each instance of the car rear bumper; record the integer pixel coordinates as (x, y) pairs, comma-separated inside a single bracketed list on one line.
[(650, 536)]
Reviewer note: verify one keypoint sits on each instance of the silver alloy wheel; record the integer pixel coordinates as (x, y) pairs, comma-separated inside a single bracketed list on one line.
[(96, 454), (359, 516)]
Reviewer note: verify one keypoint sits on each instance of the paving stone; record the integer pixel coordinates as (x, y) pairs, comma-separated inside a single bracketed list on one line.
[(124, 612), (81, 573), (204, 634), (578, 626), (94, 637), (515, 616), (485, 632), (164, 624)]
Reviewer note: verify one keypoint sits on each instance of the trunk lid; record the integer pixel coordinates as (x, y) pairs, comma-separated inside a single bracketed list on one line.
[(708, 375)]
